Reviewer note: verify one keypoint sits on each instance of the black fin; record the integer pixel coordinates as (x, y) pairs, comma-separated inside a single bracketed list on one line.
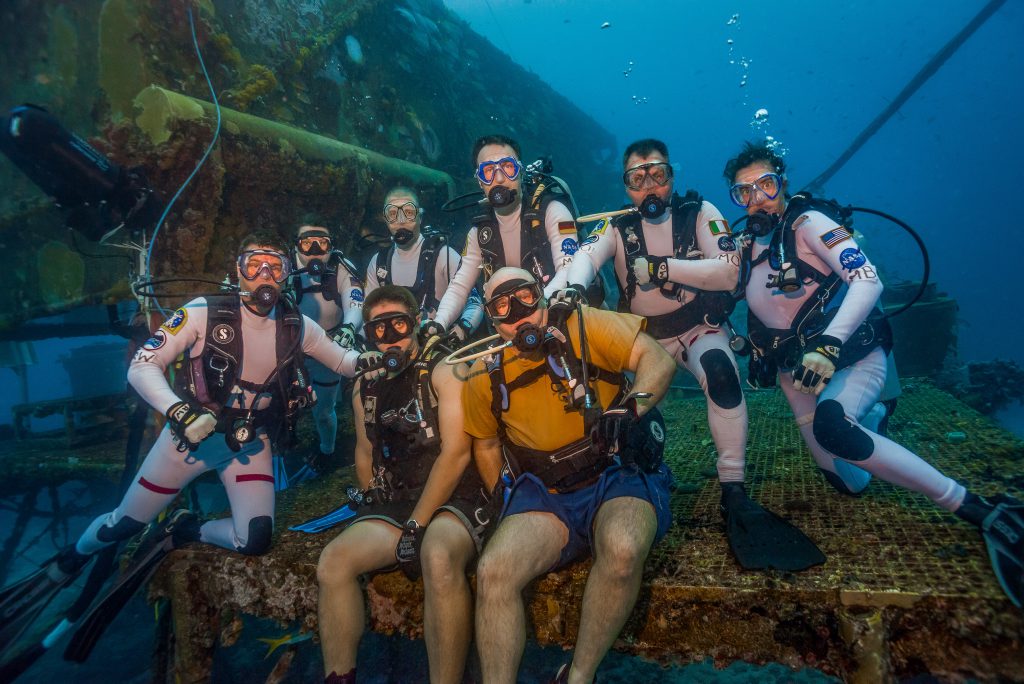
[(760, 539), (1003, 530)]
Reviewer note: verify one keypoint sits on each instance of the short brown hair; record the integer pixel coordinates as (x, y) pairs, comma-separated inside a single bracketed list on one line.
[(395, 294), (263, 238)]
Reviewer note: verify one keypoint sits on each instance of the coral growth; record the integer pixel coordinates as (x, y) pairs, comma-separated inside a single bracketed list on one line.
[(260, 81)]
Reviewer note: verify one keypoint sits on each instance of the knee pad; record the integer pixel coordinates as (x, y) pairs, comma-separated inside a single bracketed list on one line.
[(722, 381), (126, 527), (261, 529), (839, 436)]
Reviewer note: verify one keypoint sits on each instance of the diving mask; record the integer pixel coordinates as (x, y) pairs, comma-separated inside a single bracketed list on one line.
[(394, 213), (635, 178), (314, 243), (390, 328), (769, 185), (509, 167), (268, 263), (513, 301)]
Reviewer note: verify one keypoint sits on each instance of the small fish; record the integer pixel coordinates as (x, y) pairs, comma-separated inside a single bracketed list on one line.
[(606, 24), (284, 640)]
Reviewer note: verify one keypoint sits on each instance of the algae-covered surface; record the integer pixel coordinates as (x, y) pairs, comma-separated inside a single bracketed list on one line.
[(907, 588)]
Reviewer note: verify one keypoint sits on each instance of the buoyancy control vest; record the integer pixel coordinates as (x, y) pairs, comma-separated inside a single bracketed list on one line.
[(401, 418), (424, 289), (327, 284), (534, 247), (576, 463), (712, 308), (211, 377), (782, 348)]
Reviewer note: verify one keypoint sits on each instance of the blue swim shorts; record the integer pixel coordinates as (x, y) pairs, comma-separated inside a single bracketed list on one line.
[(577, 509)]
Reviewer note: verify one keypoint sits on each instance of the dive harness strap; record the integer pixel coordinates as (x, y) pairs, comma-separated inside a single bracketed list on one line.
[(710, 308), (425, 286), (534, 246), (570, 466)]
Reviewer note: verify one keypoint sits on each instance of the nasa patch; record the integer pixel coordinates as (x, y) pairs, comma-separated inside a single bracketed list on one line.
[(357, 295), (223, 333), (569, 246), (726, 243), (852, 258), (176, 322), (158, 340)]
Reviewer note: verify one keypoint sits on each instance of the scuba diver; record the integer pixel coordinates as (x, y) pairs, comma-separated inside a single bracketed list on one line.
[(329, 290), (581, 479), (533, 230), (421, 264), (814, 323), (238, 362), (676, 263), (419, 506)]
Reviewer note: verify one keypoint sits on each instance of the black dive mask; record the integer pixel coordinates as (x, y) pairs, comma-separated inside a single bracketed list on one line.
[(402, 236), (517, 311), (652, 207), (390, 328), (762, 223), (315, 250), (265, 296), (528, 338), (500, 196), (396, 359)]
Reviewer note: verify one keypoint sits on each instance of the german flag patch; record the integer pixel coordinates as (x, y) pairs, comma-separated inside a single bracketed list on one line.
[(567, 228)]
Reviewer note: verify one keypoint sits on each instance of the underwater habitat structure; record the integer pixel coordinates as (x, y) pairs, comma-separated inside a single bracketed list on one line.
[(318, 113)]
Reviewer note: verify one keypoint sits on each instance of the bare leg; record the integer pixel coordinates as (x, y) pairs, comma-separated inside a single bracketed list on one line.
[(624, 530), (448, 603), (524, 546), (365, 546)]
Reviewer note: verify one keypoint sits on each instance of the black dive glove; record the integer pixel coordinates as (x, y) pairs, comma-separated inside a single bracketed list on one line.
[(190, 423), (345, 336), (370, 366), (817, 367), (407, 553), (429, 329), (638, 440)]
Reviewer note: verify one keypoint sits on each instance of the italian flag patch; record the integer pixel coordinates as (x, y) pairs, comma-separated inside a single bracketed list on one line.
[(719, 227)]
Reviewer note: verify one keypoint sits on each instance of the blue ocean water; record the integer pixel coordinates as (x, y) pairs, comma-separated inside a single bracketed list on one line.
[(946, 163)]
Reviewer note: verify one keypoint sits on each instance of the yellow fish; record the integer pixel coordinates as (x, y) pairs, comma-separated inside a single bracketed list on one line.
[(284, 640)]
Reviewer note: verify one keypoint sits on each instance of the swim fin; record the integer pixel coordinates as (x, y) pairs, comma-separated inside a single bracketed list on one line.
[(179, 528), (760, 539), (339, 515), (22, 602), (1003, 530)]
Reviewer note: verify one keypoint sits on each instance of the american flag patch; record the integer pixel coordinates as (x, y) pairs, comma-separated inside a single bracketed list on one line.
[(835, 236)]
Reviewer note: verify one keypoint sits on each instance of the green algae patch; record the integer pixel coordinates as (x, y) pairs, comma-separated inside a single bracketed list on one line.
[(61, 273), (122, 60)]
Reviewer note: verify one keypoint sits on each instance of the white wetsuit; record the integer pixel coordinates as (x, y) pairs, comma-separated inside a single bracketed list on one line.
[(328, 314), (561, 235), (702, 347), (404, 270), (829, 248), (246, 474)]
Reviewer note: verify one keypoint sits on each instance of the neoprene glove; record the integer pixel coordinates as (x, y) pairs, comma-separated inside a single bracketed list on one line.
[(344, 335), (817, 367), (407, 553), (191, 423), (370, 365), (651, 269)]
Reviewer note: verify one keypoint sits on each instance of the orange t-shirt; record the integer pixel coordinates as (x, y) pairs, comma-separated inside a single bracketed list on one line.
[(537, 417)]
